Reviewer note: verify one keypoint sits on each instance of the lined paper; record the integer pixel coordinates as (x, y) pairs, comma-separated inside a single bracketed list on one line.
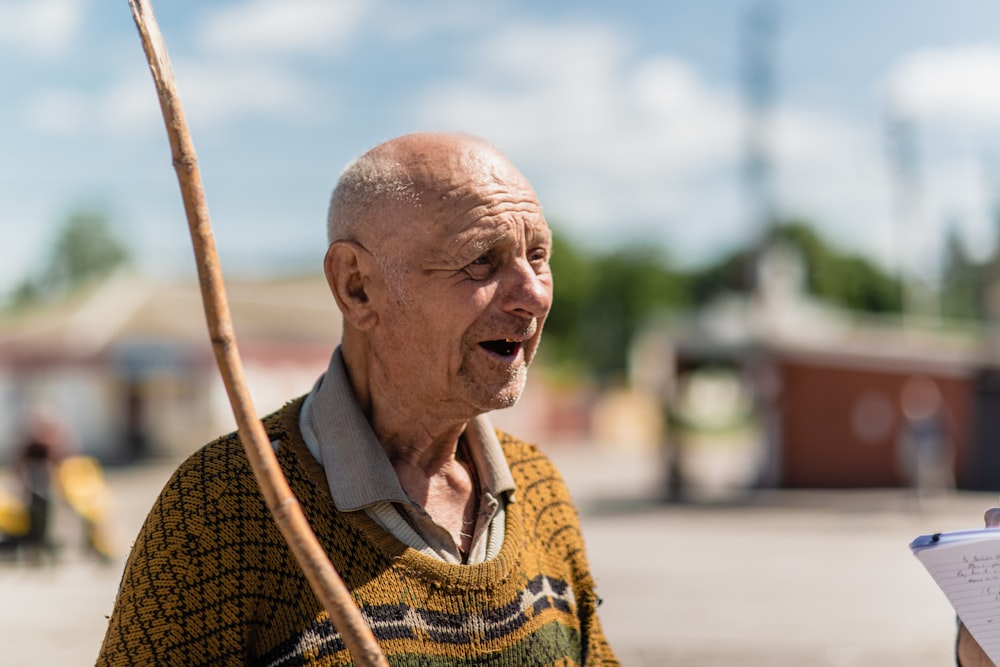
[(966, 566)]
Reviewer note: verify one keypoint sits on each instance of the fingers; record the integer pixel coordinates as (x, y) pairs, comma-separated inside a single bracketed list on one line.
[(992, 517)]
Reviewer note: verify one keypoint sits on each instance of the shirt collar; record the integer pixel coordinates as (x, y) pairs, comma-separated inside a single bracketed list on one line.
[(357, 469)]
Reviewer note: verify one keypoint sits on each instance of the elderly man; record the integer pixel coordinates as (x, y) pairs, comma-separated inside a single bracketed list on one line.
[(460, 543)]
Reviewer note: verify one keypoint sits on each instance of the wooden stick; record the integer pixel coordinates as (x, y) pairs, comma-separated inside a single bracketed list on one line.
[(326, 583)]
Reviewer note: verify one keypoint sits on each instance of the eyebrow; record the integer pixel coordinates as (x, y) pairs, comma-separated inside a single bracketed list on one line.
[(480, 241), (475, 246)]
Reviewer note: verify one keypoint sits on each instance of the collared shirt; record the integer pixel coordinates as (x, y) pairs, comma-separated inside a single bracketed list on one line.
[(361, 477)]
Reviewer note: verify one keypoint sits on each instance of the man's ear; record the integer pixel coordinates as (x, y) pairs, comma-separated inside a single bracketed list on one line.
[(347, 266)]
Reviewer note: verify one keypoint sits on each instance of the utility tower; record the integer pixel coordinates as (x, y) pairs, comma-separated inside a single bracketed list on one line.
[(901, 148), (757, 56)]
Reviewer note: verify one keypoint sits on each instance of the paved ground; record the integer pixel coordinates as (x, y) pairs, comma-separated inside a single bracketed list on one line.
[(803, 578)]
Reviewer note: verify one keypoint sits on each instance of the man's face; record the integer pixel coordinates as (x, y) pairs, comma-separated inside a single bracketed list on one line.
[(471, 294)]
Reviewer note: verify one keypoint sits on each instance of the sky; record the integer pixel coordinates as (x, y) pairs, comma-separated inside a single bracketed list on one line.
[(630, 119)]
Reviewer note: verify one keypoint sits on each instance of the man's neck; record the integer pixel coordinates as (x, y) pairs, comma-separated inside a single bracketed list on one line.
[(448, 492), (403, 426), (422, 449)]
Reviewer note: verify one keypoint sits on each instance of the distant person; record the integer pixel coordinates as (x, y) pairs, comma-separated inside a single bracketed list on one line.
[(45, 443), (926, 452), (460, 543)]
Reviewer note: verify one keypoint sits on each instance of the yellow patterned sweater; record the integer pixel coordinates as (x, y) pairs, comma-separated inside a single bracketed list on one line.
[(209, 580)]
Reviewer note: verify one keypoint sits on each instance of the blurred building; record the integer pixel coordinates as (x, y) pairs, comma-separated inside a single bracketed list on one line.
[(129, 366), (829, 399), (129, 363)]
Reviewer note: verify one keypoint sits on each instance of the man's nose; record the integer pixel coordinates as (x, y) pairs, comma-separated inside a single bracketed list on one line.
[(527, 292)]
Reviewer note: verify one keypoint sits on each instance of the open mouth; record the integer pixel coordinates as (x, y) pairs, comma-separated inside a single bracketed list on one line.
[(505, 347)]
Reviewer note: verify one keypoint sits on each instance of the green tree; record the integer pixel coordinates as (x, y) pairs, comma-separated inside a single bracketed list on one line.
[(848, 280), (844, 279), (733, 273), (603, 299), (969, 287), (600, 303), (572, 272), (961, 280), (85, 249)]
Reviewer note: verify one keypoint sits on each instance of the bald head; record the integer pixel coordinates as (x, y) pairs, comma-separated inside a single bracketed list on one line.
[(439, 262), (415, 176)]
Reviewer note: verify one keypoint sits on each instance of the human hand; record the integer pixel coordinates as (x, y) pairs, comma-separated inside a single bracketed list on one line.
[(968, 650)]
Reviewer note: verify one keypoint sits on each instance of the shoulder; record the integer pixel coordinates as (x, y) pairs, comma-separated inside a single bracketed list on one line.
[(544, 504), (222, 466), (536, 477), (524, 458)]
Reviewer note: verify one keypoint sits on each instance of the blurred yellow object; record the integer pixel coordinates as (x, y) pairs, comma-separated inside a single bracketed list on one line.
[(13, 515), (81, 481)]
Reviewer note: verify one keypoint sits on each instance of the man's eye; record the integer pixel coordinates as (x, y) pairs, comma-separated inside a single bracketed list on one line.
[(539, 256), (480, 268)]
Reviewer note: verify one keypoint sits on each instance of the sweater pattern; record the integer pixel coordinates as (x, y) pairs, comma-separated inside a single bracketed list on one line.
[(210, 580)]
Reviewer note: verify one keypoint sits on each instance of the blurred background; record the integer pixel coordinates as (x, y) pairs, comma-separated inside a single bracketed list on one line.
[(776, 263)]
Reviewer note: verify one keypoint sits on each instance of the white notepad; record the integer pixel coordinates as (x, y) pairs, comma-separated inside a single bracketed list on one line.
[(966, 565)]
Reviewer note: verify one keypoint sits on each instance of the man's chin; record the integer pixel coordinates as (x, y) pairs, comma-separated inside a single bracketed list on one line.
[(500, 398), (504, 401)]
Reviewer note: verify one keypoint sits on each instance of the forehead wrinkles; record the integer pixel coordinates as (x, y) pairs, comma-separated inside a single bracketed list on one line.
[(476, 221), (475, 202), (462, 189), (488, 192)]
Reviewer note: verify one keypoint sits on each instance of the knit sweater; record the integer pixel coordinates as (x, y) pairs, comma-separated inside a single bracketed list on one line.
[(210, 581)]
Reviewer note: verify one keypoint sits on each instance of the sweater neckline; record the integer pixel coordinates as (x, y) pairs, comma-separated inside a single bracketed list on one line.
[(482, 576)]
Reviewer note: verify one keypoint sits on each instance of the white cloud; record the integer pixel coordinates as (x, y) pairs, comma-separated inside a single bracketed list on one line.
[(217, 93), (130, 107), (282, 26), (414, 20), (609, 141), (41, 27), (56, 112), (210, 95), (625, 146), (952, 96), (832, 172), (237, 81), (961, 83)]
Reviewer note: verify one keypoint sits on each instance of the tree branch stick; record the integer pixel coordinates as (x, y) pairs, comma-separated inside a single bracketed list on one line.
[(326, 583)]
